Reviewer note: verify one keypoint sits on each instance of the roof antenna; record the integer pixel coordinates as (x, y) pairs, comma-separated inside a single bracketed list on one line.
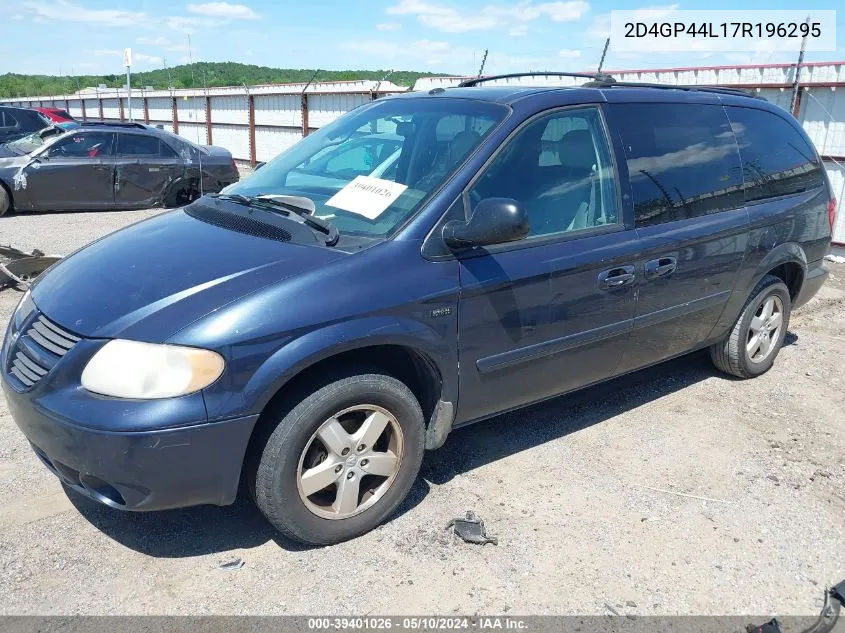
[(793, 103), (603, 55), (483, 62)]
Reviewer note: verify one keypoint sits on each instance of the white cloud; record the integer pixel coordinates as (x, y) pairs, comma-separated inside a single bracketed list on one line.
[(519, 31), (224, 10), (600, 27), (67, 11), (148, 59), (569, 53), (107, 52), (164, 43), (17, 16), (193, 24), (656, 12), (388, 26), (450, 20)]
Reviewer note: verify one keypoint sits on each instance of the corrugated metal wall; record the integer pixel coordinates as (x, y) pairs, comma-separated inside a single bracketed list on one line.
[(278, 114)]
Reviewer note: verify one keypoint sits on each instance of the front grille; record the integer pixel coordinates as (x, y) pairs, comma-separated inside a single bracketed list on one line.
[(38, 350), (239, 223)]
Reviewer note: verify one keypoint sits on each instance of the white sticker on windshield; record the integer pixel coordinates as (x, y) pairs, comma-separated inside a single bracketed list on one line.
[(367, 196)]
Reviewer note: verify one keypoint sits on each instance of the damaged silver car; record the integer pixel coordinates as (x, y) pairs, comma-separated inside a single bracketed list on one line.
[(108, 166)]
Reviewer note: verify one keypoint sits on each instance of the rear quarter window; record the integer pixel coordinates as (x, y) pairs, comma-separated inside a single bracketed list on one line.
[(776, 159), (682, 160)]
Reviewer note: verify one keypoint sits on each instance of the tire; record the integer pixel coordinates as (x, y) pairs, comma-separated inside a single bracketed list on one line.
[(732, 355), (5, 202), (179, 195), (294, 448)]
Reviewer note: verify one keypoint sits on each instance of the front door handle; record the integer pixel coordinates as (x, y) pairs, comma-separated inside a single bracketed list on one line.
[(616, 277), (660, 267)]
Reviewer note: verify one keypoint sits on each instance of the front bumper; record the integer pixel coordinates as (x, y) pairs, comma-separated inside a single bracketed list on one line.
[(146, 470)]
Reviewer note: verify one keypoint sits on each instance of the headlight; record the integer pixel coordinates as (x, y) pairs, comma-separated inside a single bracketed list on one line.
[(130, 369), (24, 309)]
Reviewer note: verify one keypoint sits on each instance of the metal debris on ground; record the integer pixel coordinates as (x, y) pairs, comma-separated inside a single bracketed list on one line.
[(471, 529), (18, 268), (836, 259), (232, 564)]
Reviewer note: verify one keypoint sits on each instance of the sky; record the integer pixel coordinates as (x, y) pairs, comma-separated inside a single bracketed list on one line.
[(62, 37)]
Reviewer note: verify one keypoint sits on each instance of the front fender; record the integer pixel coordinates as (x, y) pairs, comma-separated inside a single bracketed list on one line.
[(301, 352)]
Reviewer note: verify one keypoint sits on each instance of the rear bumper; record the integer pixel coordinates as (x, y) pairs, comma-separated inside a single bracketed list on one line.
[(138, 470), (817, 274)]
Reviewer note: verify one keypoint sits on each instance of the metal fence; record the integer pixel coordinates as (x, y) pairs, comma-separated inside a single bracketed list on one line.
[(255, 123)]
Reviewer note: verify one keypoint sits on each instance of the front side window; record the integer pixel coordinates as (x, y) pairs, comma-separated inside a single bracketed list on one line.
[(415, 143), (682, 160), (776, 160), (83, 145), (559, 168)]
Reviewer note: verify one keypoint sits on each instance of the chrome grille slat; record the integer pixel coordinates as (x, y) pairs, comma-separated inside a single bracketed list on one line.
[(20, 376), (30, 364), (43, 342), (58, 330), (26, 371), (52, 336), (38, 349)]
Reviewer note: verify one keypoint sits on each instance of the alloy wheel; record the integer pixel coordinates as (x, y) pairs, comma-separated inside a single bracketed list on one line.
[(350, 462)]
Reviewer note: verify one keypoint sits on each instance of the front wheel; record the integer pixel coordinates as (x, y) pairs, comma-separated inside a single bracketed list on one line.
[(341, 461), (755, 340)]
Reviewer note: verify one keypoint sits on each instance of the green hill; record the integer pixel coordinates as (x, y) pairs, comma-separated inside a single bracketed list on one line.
[(197, 75)]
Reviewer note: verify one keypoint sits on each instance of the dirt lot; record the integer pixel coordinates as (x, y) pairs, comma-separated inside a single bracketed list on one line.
[(567, 486)]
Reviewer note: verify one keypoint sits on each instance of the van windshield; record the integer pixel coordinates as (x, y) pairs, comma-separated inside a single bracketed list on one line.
[(374, 167)]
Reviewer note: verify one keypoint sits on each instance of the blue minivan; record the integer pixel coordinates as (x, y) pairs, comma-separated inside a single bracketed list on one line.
[(312, 329)]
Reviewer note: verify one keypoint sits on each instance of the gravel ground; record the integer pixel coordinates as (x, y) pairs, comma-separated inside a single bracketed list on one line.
[(579, 490)]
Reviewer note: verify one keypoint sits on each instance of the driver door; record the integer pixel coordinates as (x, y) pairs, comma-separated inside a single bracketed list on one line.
[(76, 172)]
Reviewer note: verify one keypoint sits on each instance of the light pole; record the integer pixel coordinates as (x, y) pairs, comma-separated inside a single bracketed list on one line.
[(127, 61)]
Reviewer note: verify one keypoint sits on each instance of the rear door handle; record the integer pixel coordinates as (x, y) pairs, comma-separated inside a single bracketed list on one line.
[(616, 277), (660, 267)]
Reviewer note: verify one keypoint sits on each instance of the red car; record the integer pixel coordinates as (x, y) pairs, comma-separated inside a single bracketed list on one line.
[(56, 115)]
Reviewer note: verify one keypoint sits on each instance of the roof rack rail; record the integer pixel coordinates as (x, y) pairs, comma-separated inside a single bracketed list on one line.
[(133, 124), (598, 77), (635, 84)]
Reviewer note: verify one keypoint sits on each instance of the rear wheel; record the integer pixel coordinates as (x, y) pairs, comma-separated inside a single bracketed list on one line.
[(5, 202), (340, 462), (755, 340)]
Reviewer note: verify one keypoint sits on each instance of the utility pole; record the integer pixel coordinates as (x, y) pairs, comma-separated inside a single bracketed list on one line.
[(169, 83), (483, 62), (603, 54), (794, 102), (127, 61)]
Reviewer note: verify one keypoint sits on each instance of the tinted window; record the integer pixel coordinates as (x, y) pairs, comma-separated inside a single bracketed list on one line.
[(559, 168), (682, 160), (8, 119), (167, 151), (84, 145), (136, 145), (776, 160)]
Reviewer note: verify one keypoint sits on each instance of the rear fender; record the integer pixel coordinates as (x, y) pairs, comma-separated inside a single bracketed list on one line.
[(788, 252)]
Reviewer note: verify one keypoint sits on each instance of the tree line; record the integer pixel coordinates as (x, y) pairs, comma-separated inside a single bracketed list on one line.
[(196, 75)]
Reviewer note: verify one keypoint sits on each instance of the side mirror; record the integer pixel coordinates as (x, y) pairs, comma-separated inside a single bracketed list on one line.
[(494, 221), (258, 166)]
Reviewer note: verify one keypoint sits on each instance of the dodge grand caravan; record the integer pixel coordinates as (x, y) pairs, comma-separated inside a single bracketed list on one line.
[(311, 336)]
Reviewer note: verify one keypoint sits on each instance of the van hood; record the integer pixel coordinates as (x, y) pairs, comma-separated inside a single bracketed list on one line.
[(151, 279)]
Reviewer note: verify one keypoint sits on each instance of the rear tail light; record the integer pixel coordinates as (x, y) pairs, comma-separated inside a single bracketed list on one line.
[(831, 212)]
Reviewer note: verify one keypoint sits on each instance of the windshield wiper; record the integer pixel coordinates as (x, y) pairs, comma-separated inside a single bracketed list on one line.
[(296, 208)]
